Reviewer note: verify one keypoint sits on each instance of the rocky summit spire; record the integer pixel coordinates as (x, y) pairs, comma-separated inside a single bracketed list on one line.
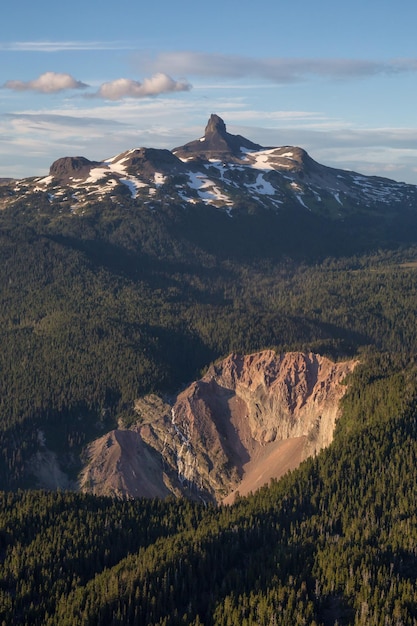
[(217, 143), (215, 125)]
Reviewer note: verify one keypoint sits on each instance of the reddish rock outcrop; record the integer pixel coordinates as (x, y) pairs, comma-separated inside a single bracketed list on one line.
[(249, 419)]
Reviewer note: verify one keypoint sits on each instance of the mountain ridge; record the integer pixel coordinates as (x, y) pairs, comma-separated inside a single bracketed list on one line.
[(219, 170)]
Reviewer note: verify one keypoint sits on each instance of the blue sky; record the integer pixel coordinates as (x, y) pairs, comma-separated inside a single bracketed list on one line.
[(98, 78)]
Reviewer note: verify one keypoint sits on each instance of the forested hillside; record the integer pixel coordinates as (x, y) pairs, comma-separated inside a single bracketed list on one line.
[(333, 542), (101, 307)]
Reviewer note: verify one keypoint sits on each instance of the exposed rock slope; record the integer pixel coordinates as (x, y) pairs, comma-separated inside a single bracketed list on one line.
[(249, 419), (216, 143)]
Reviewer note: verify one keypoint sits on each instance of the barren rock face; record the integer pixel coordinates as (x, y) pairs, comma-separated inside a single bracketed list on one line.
[(226, 431), (123, 466), (72, 167), (217, 143), (145, 162), (286, 396)]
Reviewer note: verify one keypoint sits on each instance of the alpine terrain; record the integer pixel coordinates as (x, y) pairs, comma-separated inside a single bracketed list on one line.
[(208, 390), (220, 170)]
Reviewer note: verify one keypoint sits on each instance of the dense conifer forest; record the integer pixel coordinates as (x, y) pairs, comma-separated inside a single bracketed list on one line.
[(100, 308), (333, 542)]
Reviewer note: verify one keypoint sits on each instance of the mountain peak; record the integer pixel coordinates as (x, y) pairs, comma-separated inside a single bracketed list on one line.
[(217, 143), (66, 168), (215, 125)]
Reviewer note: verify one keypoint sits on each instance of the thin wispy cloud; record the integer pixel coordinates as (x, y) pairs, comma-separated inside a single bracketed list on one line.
[(64, 46), (276, 69), (127, 88), (61, 119), (49, 82)]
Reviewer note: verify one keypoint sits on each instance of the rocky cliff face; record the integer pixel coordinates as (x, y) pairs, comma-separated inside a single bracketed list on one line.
[(249, 419), (68, 168), (216, 143)]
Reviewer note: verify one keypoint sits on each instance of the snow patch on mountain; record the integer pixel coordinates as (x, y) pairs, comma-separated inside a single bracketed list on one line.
[(96, 174), (207, 190), (159, 179), (133, 185), (264, 187), (261, 160)]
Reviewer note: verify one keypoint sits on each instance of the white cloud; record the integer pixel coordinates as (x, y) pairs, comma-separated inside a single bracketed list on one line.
[(53, 82), (127, 88), (49, 82)]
